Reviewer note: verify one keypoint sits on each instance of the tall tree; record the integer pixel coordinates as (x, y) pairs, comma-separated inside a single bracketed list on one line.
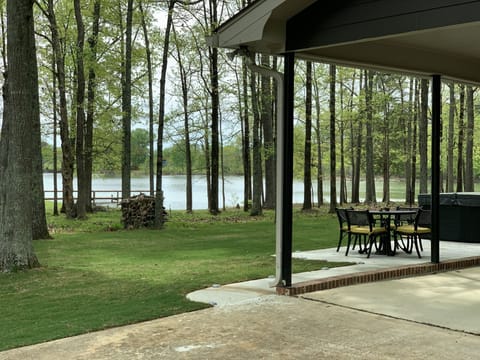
[(55, 131), (39, 220), (469, 183), (21, 113), (83, 194), (256, 149), (451, 138), (333, 163), (148, 54), (268, 138), (370, 196), (319, 141), (127, 104), (91, 97), (461, 131), (415, 117), (386, 140), (161, 119), (247, 192), (357, 141), (213, 57), (423, 136), (307, 163), (407, 118), (186, 124), (343, 176), (67, 151)]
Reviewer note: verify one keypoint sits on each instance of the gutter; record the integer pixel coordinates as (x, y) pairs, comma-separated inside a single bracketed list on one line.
[(280, 155)]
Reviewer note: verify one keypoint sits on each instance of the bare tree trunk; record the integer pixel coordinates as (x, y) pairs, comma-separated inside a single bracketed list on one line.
[(222, 163), (39, 220), (91, 93), (208, 168), (386, 145), (127, 105), (257, 157), (307, 164), (215, 114), (370, 195), (55, 127), (352, 136), (415, 138), (469, 184), (21, 113), (407, 144), (80, 111), (268, 138), (67, 152), (357, 140), (247, 193), (148, 54), (423, 136), (343, 176), (319, 143), (461, 130), (159, 219), (333, 165), (450, 142), (186, 124)]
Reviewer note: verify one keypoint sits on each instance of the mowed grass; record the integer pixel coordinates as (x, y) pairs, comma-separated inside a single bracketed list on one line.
[(95, 275)]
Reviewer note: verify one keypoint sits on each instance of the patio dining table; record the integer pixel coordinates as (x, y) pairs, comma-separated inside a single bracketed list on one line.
[(386, 216)]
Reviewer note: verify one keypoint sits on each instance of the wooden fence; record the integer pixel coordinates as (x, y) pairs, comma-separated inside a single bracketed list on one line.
[(97, 196)]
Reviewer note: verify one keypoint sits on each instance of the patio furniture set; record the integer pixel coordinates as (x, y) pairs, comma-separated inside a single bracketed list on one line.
[(377, 228)]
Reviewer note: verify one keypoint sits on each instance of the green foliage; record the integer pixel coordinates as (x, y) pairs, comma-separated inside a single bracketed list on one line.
[(140, 148), (95, 280), (47, 156), (391, 98), (233, 162)]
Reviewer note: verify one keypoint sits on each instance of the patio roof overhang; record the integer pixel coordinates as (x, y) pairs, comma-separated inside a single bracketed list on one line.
[(417, 37), (428, 38)]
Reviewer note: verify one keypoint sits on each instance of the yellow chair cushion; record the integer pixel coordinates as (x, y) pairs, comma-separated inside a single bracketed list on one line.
[(423, 230), (405, 229), (362, 230), (410, 229), (365, 230), (378, 230)]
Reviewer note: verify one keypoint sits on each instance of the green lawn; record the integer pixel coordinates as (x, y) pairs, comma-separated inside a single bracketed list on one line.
[(95, 275)]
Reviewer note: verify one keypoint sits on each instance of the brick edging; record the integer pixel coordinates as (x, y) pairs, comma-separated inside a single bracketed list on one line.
[(377, 275)]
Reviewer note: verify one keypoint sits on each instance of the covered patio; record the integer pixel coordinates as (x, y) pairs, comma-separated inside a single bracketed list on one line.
[(437, 39)]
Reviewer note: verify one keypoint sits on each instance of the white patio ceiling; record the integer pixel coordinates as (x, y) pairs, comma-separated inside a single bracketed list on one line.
[(452, 51)]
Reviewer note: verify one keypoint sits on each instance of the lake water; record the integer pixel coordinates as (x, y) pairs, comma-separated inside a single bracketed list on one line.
[(174, 189)]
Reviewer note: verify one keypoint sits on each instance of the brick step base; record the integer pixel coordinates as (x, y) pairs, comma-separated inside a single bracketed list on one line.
[(377, 275)]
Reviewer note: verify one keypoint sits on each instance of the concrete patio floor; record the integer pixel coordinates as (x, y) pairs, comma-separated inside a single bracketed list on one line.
[(248, 290), (425, 317)]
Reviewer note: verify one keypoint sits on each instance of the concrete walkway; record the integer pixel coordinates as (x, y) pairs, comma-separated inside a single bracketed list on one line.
[(250, 290), (428, 317)]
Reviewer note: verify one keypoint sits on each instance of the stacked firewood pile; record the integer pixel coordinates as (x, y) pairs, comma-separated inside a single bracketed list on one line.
[(139, 211)]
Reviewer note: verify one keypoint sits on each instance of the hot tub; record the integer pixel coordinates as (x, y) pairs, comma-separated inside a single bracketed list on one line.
[(459, 215)]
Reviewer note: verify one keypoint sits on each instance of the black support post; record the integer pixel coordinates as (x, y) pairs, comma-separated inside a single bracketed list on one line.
[(289, 79), (436, 139)]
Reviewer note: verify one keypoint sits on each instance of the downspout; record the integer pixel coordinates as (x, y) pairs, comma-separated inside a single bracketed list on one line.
[(280, 160)]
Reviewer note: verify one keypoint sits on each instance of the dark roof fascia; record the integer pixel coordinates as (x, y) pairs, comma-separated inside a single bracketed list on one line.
[(356, 20)]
